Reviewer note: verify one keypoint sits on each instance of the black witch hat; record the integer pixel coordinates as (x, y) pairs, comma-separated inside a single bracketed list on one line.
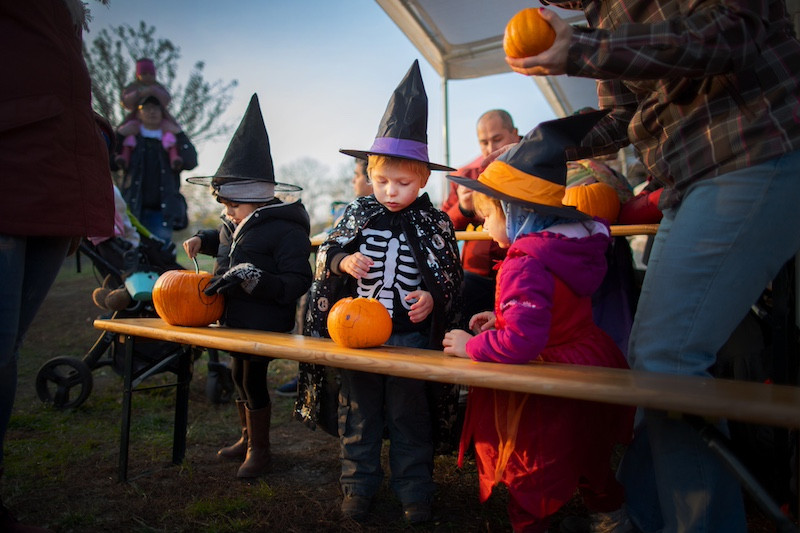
[(248, 157), (533, 173), (403, 131)]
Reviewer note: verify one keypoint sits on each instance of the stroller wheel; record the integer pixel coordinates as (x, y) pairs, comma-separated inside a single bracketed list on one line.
[(58, 377), (219, 383)]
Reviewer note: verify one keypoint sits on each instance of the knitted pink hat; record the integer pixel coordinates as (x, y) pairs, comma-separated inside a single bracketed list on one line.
[(145, 66)]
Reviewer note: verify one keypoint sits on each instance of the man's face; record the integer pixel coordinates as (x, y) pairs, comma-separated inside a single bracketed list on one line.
[(150, 115), (492, 135)]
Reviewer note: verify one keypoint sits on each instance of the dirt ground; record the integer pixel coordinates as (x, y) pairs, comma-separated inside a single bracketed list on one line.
[(61, 466)]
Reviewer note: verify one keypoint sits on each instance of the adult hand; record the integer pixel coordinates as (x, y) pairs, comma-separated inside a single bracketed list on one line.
[(465, 199), (245, 274), (422, 307), (455, 343), (552, 61)]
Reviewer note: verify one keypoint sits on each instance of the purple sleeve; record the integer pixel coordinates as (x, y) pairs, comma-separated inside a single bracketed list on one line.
[(523, 315)]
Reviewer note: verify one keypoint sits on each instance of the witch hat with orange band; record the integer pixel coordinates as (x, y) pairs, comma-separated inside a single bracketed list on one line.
[(533, 173)]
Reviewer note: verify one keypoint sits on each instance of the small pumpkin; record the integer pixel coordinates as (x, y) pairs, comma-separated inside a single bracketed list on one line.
[(359, 323), (595, 199), (527, 34), (180, 301)]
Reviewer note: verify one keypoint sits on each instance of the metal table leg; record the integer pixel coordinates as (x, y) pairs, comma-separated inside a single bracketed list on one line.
[(127, 391), (184, 377)]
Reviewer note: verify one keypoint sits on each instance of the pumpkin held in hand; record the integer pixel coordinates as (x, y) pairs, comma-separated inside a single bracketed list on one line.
[(595, 199), (527, 34), (359, 323), (179, 299)]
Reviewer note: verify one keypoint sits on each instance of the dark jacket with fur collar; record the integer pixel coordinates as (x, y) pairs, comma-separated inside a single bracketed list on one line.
[(274, 239)]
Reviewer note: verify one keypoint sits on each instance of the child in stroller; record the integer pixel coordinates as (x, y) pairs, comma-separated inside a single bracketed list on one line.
[(128, 263), (131, 257)]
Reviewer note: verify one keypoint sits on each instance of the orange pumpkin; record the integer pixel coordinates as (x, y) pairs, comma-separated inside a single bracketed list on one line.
[(359, 323), (180, 301), (596, 199), (527, 34)]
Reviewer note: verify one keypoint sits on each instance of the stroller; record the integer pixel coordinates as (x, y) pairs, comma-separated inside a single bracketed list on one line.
[(66, 382)]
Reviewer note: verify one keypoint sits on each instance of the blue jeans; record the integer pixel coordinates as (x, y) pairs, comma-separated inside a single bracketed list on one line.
[(711, 259), (28, 267), (153, 220), (368, 403)]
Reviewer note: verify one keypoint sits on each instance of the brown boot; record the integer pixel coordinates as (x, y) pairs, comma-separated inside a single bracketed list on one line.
[(237, 450), (258, 458)]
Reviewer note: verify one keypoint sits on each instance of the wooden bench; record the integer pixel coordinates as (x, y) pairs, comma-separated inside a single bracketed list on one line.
[(623, 230), (702, 400), (710, 399)]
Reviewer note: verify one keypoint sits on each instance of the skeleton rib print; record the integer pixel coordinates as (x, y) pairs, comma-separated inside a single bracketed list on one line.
[(394, 274)]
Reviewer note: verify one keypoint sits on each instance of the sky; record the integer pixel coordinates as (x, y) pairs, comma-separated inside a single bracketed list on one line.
[(323, 70)]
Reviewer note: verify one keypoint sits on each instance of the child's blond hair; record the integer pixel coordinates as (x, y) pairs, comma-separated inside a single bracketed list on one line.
[(485, 204), (417, 168)]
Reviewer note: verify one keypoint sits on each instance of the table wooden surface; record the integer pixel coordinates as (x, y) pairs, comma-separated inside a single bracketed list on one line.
[(768, 404), (621, 230)]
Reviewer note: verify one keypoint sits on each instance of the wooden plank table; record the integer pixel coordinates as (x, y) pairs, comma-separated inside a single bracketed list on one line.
[(760, 403), (621, 230), (777, 405)]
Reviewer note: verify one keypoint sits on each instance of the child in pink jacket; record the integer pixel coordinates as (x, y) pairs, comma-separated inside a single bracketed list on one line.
[(543, 448)]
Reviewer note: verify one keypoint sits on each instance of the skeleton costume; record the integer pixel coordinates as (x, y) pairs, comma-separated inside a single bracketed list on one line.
[(411, 249), (430, 242)]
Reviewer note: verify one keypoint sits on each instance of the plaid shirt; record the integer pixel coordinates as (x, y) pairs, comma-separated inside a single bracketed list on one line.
[(701, 87)]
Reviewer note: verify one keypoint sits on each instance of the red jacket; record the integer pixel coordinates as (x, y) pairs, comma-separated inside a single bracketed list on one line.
[(53, 160), (478, 257)]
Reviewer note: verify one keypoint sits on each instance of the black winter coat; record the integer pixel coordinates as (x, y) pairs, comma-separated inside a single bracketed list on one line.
[(274, 239), (173, 205)]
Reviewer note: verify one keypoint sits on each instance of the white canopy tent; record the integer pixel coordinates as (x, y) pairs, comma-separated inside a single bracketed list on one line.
[(463, 39)]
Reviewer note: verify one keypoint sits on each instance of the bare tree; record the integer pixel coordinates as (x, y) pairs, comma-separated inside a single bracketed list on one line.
[(320, 187), (111, 58)]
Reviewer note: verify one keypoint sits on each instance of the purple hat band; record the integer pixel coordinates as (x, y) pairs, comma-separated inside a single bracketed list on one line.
[(400, 148)]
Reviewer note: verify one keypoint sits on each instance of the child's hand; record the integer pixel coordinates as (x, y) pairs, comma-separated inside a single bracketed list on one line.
[(455, 343), (482, 321), (422, 307), (192, 246), (357, 265)]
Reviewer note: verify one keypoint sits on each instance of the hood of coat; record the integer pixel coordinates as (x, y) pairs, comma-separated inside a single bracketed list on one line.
[(579, 261)]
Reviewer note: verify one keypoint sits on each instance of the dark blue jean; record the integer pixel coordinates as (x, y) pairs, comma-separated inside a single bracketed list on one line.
[(368, 403), (28, 267), (711, 259)]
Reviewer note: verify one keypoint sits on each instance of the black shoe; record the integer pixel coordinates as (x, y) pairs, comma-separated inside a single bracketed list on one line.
[(288, 389), (355, 507), (417, 512)]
